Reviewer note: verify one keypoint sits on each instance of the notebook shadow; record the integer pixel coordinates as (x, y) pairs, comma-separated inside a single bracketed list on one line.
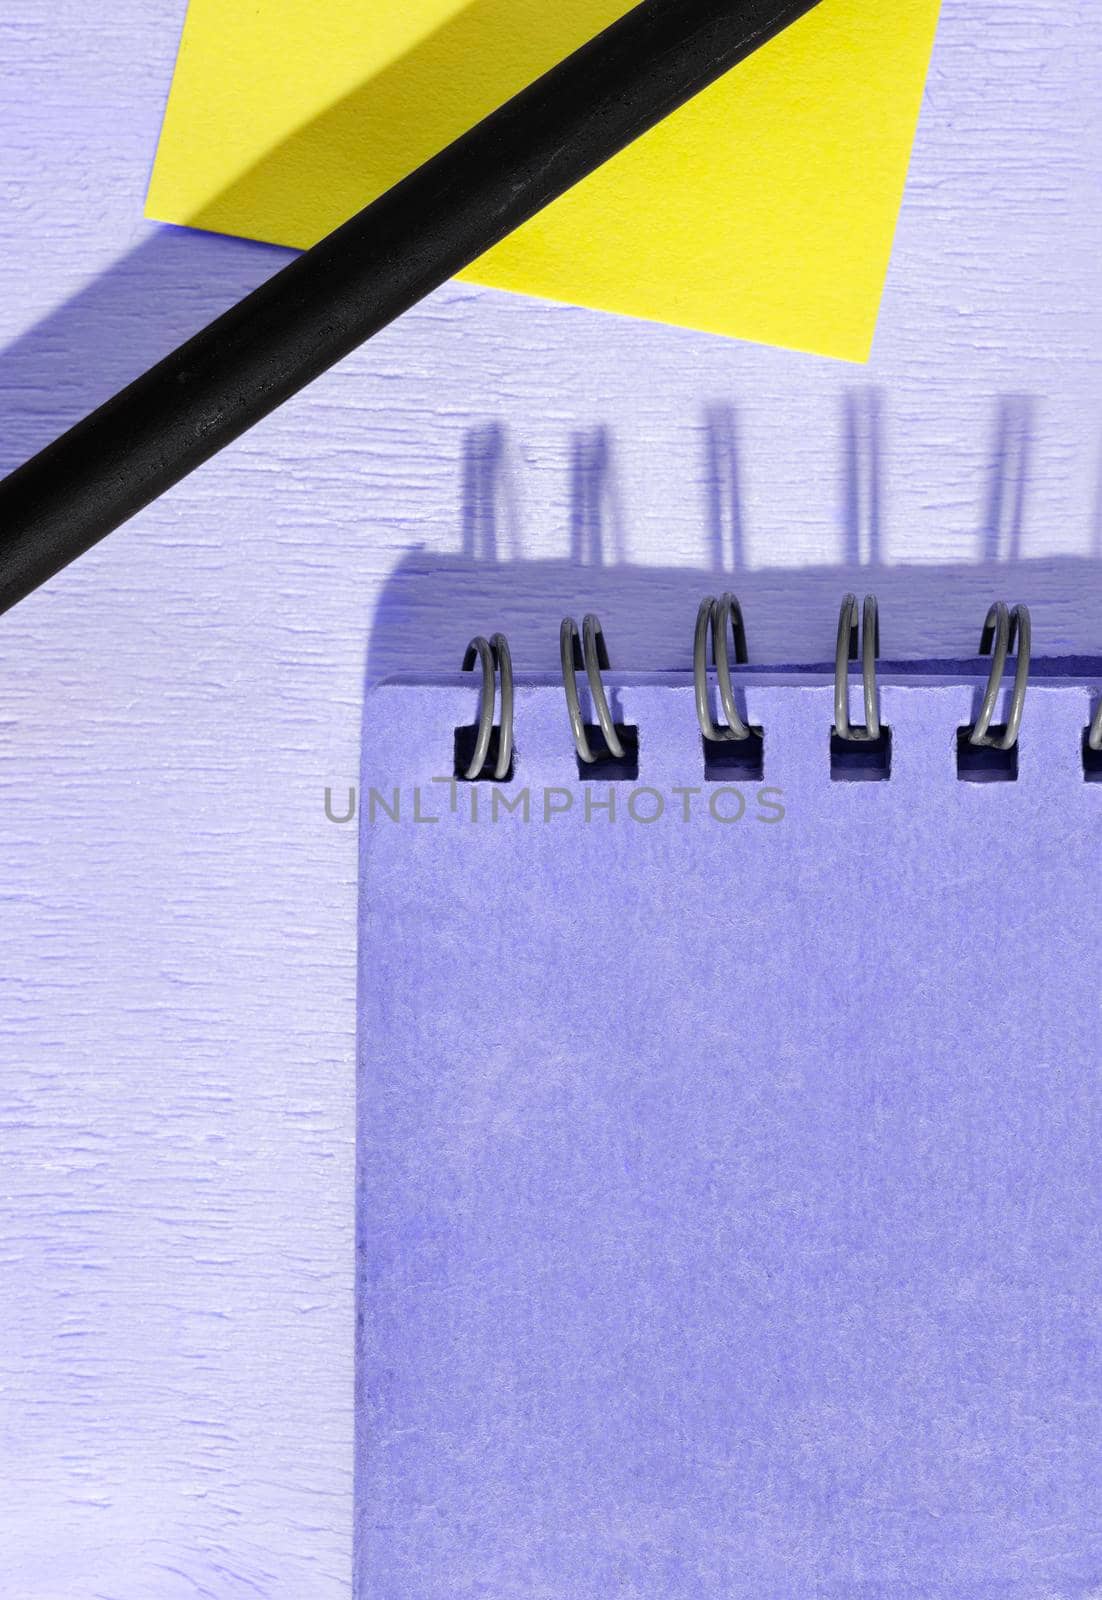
[(434, 602)]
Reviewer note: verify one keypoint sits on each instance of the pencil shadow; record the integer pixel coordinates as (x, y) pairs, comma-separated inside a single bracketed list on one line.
[(176, 281), (120, 323), (374, 136)]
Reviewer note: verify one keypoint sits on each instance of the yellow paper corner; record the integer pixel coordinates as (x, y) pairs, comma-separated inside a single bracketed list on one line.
[(764, 209)]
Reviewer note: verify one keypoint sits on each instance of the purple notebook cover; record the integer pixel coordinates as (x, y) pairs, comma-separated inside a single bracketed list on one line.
[(730, 1191)]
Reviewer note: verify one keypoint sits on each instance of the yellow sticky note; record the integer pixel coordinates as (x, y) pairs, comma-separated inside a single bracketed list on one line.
[(764, 209)]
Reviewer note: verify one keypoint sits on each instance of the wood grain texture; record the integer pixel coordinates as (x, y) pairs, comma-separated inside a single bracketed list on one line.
[(177, 917)]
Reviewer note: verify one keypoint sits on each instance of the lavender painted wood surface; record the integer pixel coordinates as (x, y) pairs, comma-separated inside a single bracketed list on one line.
[(177, 930)]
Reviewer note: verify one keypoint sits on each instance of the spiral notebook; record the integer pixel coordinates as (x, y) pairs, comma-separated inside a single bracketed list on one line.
[(730, 1186)]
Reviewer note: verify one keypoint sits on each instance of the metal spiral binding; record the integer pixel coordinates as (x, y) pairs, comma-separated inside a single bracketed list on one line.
[(1094, 732), (592, 653), (1002, 630), (715, 617), (495, 657), (850, 625), (720, 621)]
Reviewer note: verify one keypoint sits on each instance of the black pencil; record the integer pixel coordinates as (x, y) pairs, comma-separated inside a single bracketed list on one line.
[(358, 279)]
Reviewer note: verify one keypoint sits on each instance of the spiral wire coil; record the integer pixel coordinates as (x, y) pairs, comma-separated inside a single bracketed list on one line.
[(719, 628)]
